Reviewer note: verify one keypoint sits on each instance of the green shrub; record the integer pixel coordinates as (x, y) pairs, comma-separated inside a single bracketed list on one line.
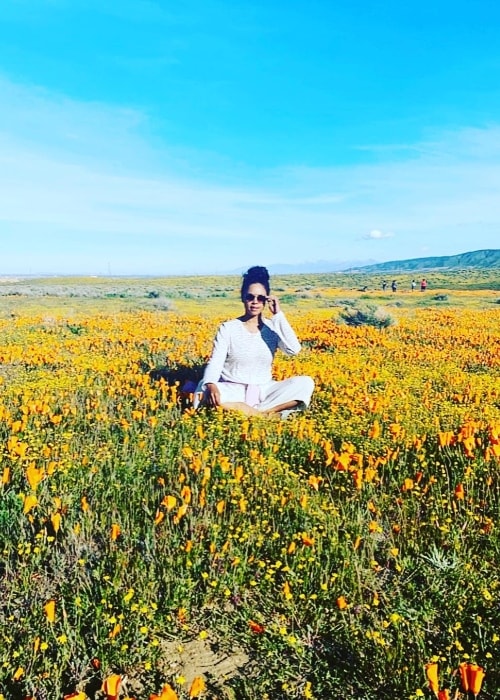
[(366, 315)]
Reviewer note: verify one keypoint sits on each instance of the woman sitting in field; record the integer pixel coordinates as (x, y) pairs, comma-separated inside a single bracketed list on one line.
[(238, 375)]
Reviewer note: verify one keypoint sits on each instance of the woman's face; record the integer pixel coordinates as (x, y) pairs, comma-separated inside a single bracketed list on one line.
[(255, 299)]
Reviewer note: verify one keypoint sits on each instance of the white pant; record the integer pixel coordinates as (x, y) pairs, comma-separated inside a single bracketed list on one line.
[(270, 395)]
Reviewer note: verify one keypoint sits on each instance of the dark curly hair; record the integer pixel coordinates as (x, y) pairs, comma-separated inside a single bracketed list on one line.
[(256, 274)]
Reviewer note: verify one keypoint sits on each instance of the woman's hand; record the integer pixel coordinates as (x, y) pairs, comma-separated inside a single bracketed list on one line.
[(212, 395), (273, 305)]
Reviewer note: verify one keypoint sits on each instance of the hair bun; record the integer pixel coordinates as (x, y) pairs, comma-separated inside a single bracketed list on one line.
[(257, 274)]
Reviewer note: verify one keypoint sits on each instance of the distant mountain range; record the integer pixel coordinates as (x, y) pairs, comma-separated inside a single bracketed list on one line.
[(482, 259)]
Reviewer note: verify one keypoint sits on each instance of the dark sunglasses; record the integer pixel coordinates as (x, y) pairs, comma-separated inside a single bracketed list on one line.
[(256, 297)]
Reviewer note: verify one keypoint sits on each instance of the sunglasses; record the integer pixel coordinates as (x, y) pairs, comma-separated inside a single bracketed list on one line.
[(256, 297)]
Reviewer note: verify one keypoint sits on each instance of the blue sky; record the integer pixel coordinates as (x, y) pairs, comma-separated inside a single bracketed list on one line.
[(153, 137)]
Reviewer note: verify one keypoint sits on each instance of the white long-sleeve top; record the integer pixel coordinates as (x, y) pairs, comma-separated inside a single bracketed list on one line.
[(246, 358)]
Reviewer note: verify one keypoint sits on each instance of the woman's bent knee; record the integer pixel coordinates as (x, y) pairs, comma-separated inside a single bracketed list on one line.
[(307, 388)]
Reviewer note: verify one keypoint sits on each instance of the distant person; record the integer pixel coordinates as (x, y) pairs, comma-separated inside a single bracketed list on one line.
[(423, 285), (384, 285), (413, 285), (394, 286), (238, 375)]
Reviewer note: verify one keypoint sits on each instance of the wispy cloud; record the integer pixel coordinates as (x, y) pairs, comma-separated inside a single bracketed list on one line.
[(377, 235), (86, 180)]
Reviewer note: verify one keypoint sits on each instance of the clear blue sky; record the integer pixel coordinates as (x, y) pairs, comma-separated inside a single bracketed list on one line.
[(153, 137)]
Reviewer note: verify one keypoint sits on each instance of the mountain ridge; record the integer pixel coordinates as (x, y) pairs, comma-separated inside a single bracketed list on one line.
[(487, 259), (484, 259)]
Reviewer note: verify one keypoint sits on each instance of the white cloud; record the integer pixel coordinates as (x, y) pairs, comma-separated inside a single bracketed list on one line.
[(377, 235)]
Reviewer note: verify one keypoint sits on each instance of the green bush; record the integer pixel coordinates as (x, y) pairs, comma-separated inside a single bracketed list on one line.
[(366, 315)]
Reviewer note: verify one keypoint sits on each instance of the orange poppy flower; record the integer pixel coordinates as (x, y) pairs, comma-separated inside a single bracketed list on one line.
[(55, 519), (50, 610), (167, 693), (34, 476), (315, 481), (357, 475), (408, 485), (186, 494), (472, 677), (341, 603), (221, 505), (181, 512), (29, 503), (18, 674), (197, 687), (115, 631), (111, 686), (238, 473), (169, 502), (160, 515), (256, 628), (445, 438), (431, 671)]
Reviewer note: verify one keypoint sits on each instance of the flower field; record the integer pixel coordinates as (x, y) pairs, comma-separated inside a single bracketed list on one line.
[(351, 551)]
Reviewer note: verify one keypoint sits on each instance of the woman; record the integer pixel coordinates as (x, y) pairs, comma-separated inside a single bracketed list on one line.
[(238, 375)]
